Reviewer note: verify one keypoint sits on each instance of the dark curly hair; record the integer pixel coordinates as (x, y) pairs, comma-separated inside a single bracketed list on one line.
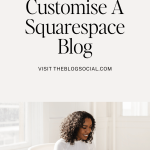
[(71, 124)]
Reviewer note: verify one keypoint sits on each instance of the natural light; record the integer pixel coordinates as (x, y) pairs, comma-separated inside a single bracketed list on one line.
[(12, 123), (135, 108)]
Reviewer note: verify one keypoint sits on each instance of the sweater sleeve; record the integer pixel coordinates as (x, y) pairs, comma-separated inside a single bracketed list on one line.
[(60, 145)]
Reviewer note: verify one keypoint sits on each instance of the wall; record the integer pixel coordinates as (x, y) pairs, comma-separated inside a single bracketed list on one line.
[(104, 126), (132, 133)]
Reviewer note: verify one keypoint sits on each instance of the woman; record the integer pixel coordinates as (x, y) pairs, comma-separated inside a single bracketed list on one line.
[(76, 132)]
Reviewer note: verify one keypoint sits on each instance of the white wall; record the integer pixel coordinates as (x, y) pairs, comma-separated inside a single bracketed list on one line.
[(46, 127), (132, 133), (103, 127)]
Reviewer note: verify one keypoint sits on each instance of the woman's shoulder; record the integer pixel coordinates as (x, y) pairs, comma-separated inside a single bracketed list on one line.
[(60, 144)]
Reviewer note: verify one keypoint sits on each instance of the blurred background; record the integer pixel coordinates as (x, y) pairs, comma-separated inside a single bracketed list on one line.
[(119, 125)]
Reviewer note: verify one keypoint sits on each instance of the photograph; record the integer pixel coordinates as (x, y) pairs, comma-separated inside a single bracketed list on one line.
[(75, 126)]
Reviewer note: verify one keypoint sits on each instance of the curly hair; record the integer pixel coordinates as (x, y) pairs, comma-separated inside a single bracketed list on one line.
[(71, 124)]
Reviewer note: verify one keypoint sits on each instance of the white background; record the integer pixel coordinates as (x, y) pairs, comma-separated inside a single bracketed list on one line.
[(128, 54)]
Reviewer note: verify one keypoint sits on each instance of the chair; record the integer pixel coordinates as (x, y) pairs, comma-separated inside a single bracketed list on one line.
[(46, 146)]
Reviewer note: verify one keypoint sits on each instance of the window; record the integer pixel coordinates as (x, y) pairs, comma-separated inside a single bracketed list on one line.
[(21, 125), (15, 125), (135, 109), (12, 123)]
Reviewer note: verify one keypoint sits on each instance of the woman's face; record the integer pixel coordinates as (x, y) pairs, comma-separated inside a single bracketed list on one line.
[(85, 130)]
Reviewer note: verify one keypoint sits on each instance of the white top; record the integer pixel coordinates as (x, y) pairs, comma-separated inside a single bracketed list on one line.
[(78, 145)]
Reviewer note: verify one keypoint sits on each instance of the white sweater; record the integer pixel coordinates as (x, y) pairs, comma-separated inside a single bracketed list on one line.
[(78, 145)]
